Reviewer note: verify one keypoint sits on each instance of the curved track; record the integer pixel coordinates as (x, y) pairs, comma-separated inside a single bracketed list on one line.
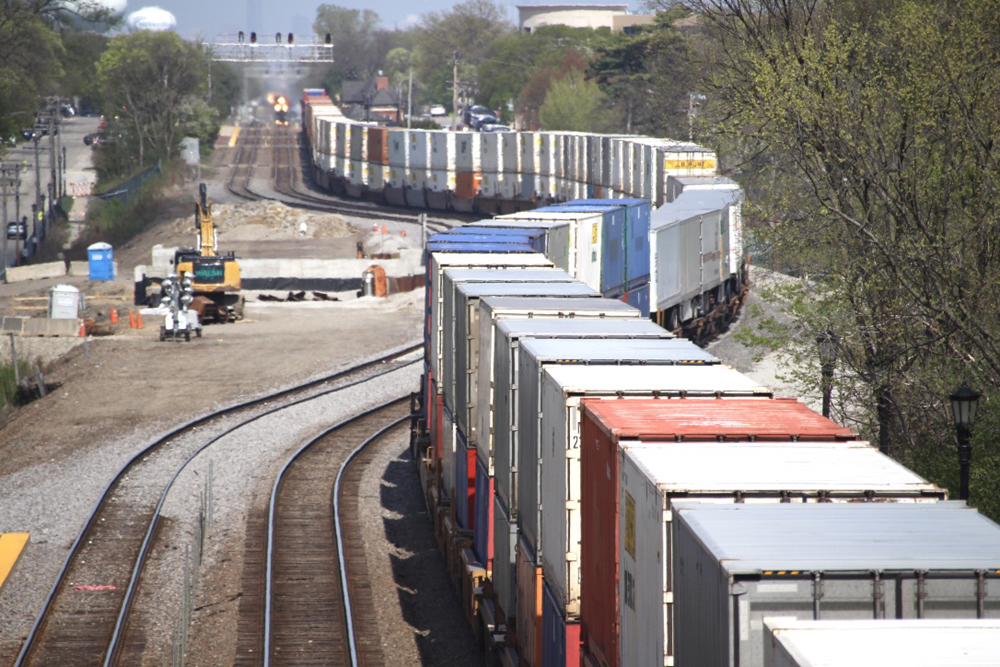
[(286, 181), (84, 618), (307, 602)]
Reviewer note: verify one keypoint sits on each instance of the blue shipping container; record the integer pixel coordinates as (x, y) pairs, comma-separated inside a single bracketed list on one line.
[(638, 213), (613, 232), (560, 639), (482, 531), (638, 297), (463, 499)]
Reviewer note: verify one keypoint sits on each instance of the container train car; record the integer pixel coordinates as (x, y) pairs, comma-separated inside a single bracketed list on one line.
[(648, 202), (608, 494)]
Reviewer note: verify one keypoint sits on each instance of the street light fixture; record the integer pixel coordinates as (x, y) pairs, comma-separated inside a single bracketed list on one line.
[(695, 100), (827, 344), (964, 402)]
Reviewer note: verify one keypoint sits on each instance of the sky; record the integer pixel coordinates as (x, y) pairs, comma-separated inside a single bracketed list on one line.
[(209, 18)]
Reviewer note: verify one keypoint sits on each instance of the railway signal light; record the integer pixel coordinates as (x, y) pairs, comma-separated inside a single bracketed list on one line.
[(241, 36), (328, 39), (253, 37), (290, 38), (277, 38)]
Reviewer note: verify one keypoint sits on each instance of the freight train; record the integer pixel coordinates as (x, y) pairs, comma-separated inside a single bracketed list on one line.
[(609, 494), (624, 251), (280, 105)]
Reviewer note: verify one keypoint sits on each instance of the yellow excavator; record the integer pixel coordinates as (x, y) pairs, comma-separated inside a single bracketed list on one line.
[(215, 276)]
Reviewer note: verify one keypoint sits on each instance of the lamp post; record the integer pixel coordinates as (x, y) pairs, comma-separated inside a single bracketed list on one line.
[(964, 402), (695, 100), (827, 344)]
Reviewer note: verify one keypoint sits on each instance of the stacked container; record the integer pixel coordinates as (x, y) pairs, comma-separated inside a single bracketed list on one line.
[(342, 148), (510, 152), (611, 244), (358, 171), (378, 157), (468, 170), (689, 240), (736, 564), (530, 157), (442, 171), (491, 158), (546, 181), (399, 158), (503, 338)]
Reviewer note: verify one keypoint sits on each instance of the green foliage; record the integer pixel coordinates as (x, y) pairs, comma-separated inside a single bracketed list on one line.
[(145, 79), (574, 104), (356, 47)]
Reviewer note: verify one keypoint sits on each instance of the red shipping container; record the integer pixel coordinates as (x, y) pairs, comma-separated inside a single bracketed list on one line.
[(467, 184), (378, 145), (529, 605), (608, 425)]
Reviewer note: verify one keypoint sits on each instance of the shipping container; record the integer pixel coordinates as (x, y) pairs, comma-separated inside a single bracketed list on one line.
[(510, 152), (499, 347), (441, 176), (482, 535), (449, 439), (735, 564), (689, 241), (467, 255), (653, 474), (399, 158), (504, 560), (927, 643), (610, 427), (555, 234), (609, 274), (583, 254), (461, 326), (419, 159), (378, 145), (637, 217), (560, 637), (491, 310), (678, 184), (465, 480), (529, 605)]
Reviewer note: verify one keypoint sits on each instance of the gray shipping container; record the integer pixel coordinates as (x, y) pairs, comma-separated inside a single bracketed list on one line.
[(734, 565), (535, 356), (499, 348), (492, 309), (462, 320)]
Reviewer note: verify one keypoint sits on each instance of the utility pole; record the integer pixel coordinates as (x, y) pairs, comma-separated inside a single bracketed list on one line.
[(454, 93), (3, 176), (38, 184), (53, 191), (409, 100)]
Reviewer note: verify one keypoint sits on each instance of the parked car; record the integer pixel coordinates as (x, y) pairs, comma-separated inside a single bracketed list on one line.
[(473, 110), (17, 230), (28, 133), (438, 110), (479, 120), (494, 127)]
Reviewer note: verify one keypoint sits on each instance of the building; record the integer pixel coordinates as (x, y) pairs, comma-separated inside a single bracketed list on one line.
[(371, 100), (530, 17)]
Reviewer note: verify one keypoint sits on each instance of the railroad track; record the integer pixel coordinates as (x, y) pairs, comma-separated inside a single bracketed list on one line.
[(306, 553), (286, 182), (84, 622)]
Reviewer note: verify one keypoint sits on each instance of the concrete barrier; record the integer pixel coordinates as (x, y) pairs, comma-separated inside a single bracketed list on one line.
[(41, 326), (17, 274), (82, 269)]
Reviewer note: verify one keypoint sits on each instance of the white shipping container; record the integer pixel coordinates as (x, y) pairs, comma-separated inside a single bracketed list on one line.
[(420, 158), (510, 151), (358, 174), (653, 474), (462, 311), (548, 471), (399, 148), (359, 143), (583, 255), (378, 176), (439, 261), (441, 181), (530, 148), (491, 153), (501, 336), (493, 309), (927, 643), (737, 564), (546, 153), (467, 150), (442, 151), (689, 240)]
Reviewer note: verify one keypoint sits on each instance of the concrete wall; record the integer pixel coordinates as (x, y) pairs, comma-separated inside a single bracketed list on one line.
[(17, 274)]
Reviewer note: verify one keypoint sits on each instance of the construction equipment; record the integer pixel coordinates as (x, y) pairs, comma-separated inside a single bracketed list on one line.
[(215, 276), (180, 320)]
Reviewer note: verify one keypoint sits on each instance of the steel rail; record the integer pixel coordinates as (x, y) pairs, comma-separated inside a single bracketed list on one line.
[(269, 561), (30, 641)]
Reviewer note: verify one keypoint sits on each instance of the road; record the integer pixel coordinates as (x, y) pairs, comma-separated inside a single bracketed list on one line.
[(78, 173)]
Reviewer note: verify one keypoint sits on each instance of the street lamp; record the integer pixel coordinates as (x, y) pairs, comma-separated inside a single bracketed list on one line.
[(964, 402), (827, 344), (695, 100)]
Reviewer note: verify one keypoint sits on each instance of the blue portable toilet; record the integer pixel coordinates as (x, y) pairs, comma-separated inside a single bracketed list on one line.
[(100, 257)]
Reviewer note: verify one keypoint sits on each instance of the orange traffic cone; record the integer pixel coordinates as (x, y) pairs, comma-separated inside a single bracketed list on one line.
[(114, 316), (131, 319), (138, 317), (383, 229), (83, 330)]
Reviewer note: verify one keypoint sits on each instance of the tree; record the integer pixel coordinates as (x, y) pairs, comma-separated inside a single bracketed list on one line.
[(574, 104), (467, 30), (867, 131), (357, 44), (145, 77)]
